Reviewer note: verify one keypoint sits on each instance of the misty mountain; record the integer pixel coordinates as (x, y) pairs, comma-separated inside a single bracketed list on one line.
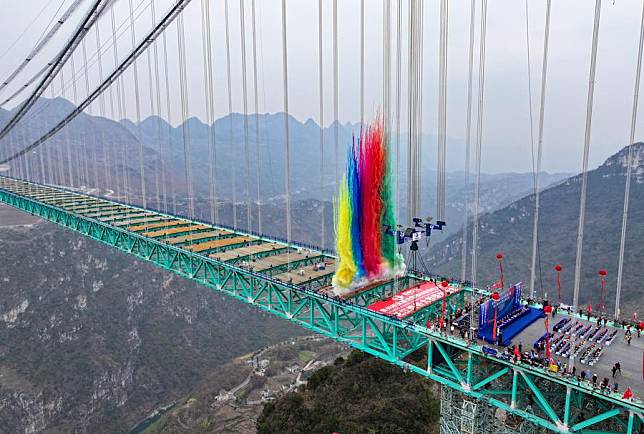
[(509, 230), (105, 159), (93, 340)]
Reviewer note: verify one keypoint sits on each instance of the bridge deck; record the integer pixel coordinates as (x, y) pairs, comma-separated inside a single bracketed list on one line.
[(190, 238), (629, 356), (246, 252), (303, 280), (174, 231)]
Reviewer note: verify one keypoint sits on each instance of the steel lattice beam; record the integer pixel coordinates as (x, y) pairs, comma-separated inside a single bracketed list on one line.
[(450, 361)]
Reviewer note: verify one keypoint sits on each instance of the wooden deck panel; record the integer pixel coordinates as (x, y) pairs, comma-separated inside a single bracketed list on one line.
[(90, 208), (150, 220), (367, 287), (310, 272), (80, 204), (138, 228), (120, 214), (231, 254), (96, 209), (113, 214), (74, 198), (196, 237), (173, 231), (54, 200), (281, 259), (49, 195), (36, 194), (215, 244), (20, 186)]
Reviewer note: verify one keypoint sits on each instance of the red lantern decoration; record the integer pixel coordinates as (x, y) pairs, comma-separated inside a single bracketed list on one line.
[(444, 285), (558, 269), (602, 277), (499, 257)]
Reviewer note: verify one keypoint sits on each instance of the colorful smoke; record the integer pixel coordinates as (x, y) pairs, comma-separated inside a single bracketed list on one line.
[(364, 211)]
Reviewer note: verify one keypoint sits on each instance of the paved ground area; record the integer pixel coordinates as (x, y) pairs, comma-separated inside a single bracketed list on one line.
[(630, 357), (12, 217)]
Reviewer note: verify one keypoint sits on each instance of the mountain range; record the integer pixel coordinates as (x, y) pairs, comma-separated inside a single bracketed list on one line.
[(105, 159), (509, 230)]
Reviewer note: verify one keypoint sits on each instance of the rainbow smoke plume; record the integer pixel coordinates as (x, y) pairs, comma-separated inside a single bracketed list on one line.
[(365, 208)]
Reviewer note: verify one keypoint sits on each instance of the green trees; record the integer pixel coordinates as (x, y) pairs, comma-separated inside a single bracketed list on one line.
[(359, 395)]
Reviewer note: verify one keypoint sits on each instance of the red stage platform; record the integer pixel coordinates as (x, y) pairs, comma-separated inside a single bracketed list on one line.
[(412, 299)]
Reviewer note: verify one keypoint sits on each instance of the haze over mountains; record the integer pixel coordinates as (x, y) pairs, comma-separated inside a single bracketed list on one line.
[(509, 230), (113, 162), (127, 338), (92, 340)]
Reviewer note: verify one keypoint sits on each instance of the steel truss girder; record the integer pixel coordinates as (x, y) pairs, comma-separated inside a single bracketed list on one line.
[(382, 336)]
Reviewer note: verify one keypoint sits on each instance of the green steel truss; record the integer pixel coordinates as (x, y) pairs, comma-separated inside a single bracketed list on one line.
[(547, 401)]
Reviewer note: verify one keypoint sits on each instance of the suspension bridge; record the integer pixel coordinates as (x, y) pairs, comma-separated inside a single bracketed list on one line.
[(393, 318)]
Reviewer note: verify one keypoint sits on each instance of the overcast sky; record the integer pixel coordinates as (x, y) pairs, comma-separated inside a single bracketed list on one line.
[(506, 132)]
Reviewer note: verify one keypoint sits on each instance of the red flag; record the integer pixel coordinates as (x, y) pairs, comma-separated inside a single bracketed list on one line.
[(628, 394), (517, 353), (547, 339), (548, 354)]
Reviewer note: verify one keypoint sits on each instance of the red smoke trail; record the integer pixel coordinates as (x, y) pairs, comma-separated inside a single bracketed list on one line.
[(372, 169)]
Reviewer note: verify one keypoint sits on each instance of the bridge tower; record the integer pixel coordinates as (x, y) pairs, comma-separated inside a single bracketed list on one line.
[(463, 415)]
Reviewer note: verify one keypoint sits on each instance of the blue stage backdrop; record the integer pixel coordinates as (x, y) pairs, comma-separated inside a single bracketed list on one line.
[(509, 300)]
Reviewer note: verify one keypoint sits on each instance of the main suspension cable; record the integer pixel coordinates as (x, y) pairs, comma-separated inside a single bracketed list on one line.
[(43, 41), (121, 67), (83, 27)]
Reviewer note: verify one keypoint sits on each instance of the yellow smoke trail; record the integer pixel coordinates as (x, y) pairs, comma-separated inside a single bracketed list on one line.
[(346, 268)]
